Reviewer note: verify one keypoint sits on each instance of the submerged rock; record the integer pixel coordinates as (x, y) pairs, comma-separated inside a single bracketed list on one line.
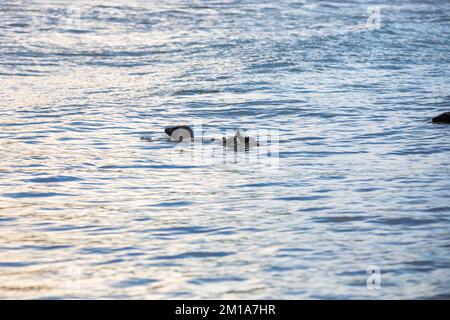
[(442, 118)]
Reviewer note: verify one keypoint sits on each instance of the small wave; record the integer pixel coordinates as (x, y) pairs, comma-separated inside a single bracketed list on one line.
[(302, 198), (195, 255), (15, 264), (189, 230), (200, 281), (404, 221), (339, 219), (55, 179), (19, 195), (134, 282), (173, 204)]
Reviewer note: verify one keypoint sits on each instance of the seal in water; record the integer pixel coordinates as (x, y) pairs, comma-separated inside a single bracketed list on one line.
[(180, 133), (239, 142), (442, 118)]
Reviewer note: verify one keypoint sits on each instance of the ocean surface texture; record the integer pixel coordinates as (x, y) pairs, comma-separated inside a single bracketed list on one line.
[(356, 204)]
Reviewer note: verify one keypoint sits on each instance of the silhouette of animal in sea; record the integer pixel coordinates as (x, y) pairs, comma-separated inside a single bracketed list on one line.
[(442, 118), (237, 142), (180, 133)]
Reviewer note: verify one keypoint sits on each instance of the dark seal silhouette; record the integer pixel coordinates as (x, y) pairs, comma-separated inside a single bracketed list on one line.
[(236, 142), (180, 133), (239, 142), (442, 118)]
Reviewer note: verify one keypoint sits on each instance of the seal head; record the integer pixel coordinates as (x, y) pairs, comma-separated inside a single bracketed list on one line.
[(180, 133)]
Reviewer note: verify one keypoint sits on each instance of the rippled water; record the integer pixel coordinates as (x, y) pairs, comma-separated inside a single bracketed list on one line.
[(88, 210)]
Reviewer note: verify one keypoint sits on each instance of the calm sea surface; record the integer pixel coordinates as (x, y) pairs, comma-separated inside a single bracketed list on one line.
[(89, 210)]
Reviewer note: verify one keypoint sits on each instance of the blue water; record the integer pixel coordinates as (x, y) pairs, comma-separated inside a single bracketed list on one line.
[(89, 210)]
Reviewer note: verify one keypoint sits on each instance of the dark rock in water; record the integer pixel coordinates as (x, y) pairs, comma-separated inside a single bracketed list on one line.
[(442, 118), (180, 133)]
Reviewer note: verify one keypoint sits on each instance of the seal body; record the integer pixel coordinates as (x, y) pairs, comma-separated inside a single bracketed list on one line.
[(180, 133), (239, 142), (442, 118)]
